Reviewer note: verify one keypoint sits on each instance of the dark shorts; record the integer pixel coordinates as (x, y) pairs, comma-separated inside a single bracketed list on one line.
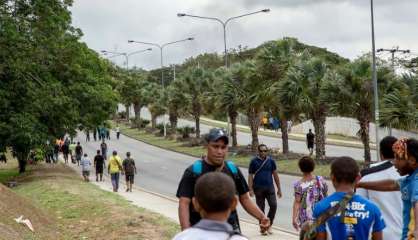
[(130, 178), (78, 157), (99, 170), (310, 145), (86, 173)]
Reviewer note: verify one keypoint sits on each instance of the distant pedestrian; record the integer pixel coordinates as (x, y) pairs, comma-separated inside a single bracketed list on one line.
[(103, 148), (276, 124), (65, 151), (310, 140), (117, 132), (85, 167), (107, 134), (56, 152), (308, 190), (94, 134), (214, 200), (78, 153), (87, 135), (103, 133), (130, 170), (114, 168), (289, 126), (99, 165), (262, 172), (265, 122), (72, 151)]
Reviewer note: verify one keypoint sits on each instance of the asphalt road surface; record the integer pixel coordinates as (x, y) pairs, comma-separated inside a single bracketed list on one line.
[(160, 171), (294, 145)]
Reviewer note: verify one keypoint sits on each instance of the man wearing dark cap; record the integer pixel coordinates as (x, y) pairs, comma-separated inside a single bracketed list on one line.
[(217, 149)]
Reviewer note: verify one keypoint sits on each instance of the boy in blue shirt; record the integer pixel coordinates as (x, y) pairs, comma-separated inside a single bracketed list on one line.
[(362, 219), (406, 157)]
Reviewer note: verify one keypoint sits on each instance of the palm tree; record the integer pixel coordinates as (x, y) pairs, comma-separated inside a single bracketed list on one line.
[(155, 97), (252, 93), (351, 94), (225, 94), (195, 83), (274, 60), (302, 90), (400, 107), (176, 103)]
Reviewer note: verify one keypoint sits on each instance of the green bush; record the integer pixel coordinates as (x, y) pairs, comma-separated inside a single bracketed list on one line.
[(186, 131)]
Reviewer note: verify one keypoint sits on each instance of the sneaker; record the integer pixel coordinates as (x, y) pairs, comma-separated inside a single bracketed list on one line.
[(263, 232), (270, 230)]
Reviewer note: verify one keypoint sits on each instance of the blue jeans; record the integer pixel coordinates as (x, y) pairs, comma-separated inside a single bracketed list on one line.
[(115, 181)]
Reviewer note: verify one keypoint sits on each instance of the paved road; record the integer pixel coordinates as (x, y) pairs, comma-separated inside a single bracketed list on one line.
[(294, 145), (160, 171)]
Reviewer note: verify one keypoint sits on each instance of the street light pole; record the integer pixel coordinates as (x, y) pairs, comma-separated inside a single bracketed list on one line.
[(161, 47), (224, 24), (374, 78)]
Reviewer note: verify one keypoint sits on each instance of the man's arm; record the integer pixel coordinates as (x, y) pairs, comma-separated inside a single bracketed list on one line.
[(277, 180), (184, 215), (321, 236), (384, 185), (251, 184), (253, 210), (416, 220), (377, 235)]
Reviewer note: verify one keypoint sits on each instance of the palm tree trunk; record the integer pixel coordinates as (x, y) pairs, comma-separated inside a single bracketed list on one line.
[(172, 115), (285, 136), (254, 120), (365, 138), (21, 158), (137, 110), (127, 111), (153, 121), (319, 126), (233, 116), (197, 124)]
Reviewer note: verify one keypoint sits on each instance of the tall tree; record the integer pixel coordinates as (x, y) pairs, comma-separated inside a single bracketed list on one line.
[(303, 90), (253, 92), (195, 83), (351, 94)]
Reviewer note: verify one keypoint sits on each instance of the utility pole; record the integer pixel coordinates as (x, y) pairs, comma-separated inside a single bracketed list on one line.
[(393, 51)]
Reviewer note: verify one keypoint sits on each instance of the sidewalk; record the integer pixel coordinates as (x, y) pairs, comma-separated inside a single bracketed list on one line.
[(294, 136), (167, 207)]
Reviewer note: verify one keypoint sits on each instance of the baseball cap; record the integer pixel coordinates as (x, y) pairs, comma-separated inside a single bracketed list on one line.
[(215, 134)]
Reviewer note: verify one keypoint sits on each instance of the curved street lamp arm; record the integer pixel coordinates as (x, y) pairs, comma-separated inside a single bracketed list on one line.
[(146, 43), (183, 40), (140, 51), (244, 15), (201, 17)]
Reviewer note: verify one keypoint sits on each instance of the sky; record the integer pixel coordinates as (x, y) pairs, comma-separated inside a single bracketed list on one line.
[(341, 26)]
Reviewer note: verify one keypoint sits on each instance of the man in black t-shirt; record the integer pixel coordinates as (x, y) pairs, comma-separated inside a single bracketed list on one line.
[(99, 164), (78, 153), (310, 139), (217, 148)]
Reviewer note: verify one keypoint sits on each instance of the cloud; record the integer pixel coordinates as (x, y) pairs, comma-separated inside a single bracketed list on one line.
[(342, 26)]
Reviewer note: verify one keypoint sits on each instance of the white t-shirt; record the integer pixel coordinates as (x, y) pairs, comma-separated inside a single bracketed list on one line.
[(207, 229), (390, 203), (200, 234), (85, 164)]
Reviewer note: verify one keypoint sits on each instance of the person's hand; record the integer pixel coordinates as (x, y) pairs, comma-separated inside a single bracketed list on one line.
[(251, 193), (295, 224), (264, 223), (279, 193)]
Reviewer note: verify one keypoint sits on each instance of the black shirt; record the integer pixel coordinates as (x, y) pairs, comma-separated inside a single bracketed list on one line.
[(78, 150), (99, 161), (187, 183), (310, 137)]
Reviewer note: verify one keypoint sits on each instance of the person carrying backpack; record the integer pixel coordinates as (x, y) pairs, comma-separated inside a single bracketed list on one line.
[(217, 148), (130, 170)]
